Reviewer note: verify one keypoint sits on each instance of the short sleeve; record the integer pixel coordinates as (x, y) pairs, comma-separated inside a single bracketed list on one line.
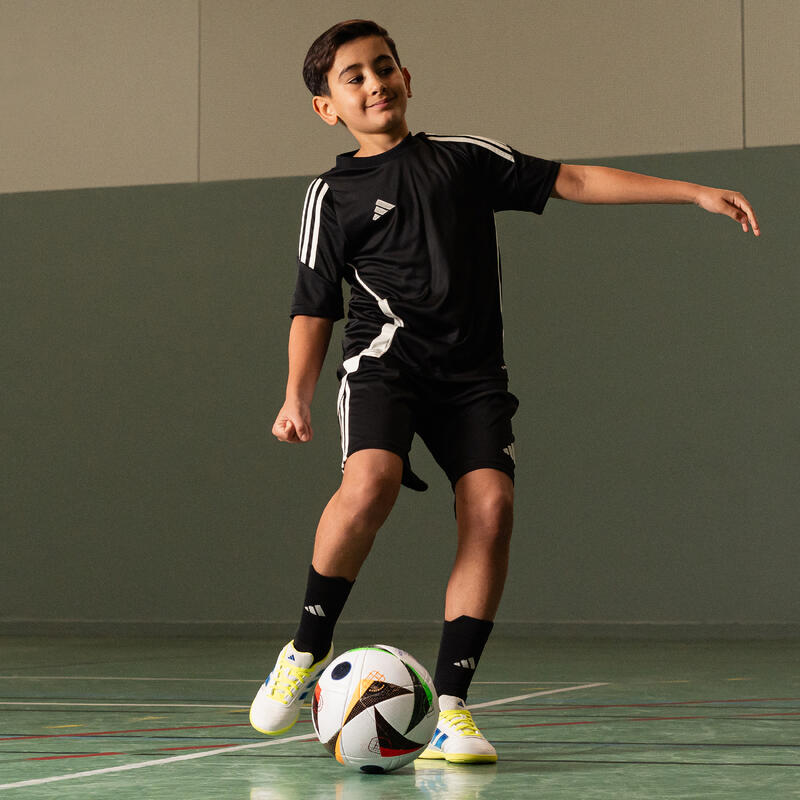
[(320, 257), (515, 181)]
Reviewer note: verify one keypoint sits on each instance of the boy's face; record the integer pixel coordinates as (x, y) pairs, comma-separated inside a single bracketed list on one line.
[(368, 89)]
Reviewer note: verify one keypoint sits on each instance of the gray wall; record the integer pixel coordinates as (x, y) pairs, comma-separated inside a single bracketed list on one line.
[(144, 327), (654, 350), (125, 92)]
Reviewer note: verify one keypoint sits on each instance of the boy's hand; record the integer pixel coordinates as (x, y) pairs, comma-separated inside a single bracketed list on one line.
[(732, 204), (293, 423)]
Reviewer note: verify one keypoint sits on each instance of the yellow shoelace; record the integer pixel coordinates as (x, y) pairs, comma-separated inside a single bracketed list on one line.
[(288, 682), (462, 721)]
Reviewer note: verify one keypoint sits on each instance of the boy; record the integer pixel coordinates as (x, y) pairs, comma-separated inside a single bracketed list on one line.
[(408, 221)]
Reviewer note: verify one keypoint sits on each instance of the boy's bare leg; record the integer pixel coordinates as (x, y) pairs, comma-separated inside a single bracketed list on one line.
[(347, 528), (485, 516), (484, 509)]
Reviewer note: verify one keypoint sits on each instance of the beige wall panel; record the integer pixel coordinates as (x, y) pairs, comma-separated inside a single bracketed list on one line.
[(560, 78), (772, 72), (256, 118), (97, 93)]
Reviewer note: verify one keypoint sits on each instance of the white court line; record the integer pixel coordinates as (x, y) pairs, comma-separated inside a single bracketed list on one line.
[(223, 705), (225, 680), (222, 750), (115, 678), (154, 763), (535, 694), (115, 705), (219, 705), (522, 683)]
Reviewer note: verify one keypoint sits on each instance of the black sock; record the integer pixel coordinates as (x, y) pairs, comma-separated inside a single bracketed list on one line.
[(463, 640), (325, 599)]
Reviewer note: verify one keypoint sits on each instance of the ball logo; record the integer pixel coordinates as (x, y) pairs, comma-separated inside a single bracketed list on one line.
[(341, 670)]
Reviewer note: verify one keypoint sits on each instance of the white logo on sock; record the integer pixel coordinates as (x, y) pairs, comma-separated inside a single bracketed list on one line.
[(467, 663), (315, 610)]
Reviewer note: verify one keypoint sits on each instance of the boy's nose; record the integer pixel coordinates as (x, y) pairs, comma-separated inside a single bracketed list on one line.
[(375, 84)]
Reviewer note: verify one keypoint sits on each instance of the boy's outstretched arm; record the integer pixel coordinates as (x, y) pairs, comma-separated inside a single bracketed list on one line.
[(309, 338), (588, 184)]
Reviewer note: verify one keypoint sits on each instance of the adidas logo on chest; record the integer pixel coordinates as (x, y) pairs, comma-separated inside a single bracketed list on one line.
[(381, 208)]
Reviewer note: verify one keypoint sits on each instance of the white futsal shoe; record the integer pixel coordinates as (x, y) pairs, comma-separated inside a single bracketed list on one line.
[(276, 707), (457, 737)]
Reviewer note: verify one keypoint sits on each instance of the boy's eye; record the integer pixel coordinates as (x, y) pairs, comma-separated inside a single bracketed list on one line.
[(382, 71)]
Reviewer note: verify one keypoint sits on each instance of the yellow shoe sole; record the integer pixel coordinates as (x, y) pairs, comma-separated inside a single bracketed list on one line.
[(470, 758), (431, 753), (272, 733), (458, 758)]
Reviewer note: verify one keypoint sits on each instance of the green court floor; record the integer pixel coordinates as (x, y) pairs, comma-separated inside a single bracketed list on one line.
[(106, 718)]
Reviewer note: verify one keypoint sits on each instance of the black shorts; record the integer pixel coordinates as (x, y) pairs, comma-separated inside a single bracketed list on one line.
[(464, 422)]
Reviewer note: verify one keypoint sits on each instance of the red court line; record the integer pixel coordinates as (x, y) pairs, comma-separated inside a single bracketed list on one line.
[(773, 714), (611, 720), (80, 755), (132, 730), (570, 707), (93, 755), (560, 724)]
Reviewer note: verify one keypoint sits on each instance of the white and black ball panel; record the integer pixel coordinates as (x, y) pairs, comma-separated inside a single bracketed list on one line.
[(375, 708), (332, 692)]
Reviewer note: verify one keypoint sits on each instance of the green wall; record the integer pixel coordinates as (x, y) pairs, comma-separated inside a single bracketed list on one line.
[(654, 350)]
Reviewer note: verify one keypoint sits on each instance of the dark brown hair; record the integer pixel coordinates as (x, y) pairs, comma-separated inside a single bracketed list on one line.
[(322, 53)]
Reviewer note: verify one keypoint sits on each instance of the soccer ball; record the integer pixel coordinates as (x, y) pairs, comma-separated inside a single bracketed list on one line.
[(375, 708)]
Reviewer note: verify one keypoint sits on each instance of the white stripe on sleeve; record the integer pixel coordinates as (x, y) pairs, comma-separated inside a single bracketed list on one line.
[(304, 218), (317, 220), (502, 150), (308, 219)]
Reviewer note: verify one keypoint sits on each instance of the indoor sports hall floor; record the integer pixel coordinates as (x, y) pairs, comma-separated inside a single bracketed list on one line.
[(161, 718)]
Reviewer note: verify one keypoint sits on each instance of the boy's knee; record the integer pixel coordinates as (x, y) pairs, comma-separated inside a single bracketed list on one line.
[(369, 495), (490, 515), (498, 511), (378, 492)]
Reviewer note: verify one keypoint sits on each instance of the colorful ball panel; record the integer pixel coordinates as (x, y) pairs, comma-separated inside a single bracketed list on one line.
[(375, 708)]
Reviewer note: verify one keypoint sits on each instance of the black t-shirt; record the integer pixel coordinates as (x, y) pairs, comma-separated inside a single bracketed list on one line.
[(412, 232)]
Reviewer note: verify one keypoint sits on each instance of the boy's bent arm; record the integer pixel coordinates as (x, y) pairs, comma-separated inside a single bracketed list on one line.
[(309, 338), (589, 184)]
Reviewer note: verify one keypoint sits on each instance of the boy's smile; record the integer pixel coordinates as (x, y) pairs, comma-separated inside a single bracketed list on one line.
[(369, 92)]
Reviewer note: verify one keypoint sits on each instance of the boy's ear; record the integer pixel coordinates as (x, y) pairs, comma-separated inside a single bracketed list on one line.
[(407, 78), (323, 106)]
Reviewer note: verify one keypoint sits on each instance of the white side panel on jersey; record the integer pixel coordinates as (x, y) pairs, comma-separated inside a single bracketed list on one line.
[(499, 280), (378, 347)]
